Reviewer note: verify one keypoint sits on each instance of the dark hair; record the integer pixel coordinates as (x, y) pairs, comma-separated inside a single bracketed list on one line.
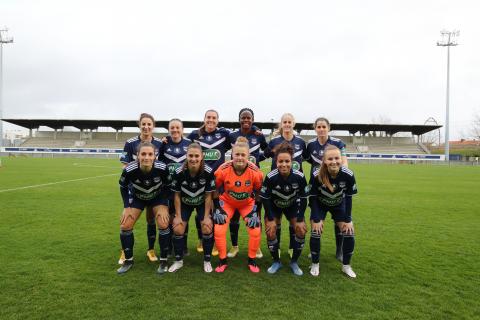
[(321, 119), (284, 147), (243, 110), (146, 144), (146, 115), (201, 130), (323, 177), (175, 119), (197, 146)]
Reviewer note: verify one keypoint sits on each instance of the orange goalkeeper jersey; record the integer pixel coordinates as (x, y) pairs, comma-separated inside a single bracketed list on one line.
[(238, 190)]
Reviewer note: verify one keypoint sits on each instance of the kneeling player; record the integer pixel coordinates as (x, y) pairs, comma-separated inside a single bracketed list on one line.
[(193, 184), (284, 190), (237, 180), (332, 190), (146, 179)]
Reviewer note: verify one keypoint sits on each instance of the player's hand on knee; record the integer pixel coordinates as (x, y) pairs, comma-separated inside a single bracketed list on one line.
[(219, 216), (300, 228), (347, 228), (317, 227), (177, 222), (207, 225)]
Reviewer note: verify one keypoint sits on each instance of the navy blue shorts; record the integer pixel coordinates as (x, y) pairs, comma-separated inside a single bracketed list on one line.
[(186, 211), (289, 212), (338, 212), (141, 204)]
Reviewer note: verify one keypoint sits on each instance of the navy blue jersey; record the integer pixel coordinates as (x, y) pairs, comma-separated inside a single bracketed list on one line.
[(130, 149), (192, 189), (214, 145), (299, 150), (143, 185), (314, 154), (343, 185), (255, 142), (174, 154)]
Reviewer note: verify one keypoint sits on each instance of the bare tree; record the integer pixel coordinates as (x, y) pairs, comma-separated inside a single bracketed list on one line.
[(475, 129)]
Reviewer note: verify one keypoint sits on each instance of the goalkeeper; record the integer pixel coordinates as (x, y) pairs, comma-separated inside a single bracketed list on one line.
[(236, 181)]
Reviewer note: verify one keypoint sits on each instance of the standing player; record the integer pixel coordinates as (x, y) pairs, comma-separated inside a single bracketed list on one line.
[(332, 189), (146, 124), (173, 154), (236, 181), (257, 143), (285, 191), (193, 184), (142, 184), (215, 142), (287, 123), (314, 155)]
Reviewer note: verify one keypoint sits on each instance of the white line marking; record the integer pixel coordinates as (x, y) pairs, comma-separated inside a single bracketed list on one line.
[(58, 182), (93, 166)]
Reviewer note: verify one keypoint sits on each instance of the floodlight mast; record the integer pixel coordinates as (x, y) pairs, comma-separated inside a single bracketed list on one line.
[(3, 39), (448, 40)]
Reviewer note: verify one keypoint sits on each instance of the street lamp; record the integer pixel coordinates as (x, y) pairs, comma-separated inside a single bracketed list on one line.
[(448, 40), (3, 39)]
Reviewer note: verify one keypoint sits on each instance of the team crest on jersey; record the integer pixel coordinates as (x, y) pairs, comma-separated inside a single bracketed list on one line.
[(185, 148), (148, 182), (247, 183), (157, 179), (193, 185), (218, 135), (202, 181), (254, 140), (342, 184), (295, 185), (238, 183), (297, 147)]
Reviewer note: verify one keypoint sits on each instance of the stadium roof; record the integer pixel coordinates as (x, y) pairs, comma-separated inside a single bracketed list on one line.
[(120, 124)]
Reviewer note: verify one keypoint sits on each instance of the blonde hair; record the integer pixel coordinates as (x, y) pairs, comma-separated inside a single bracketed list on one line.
[(324, 177), (241, 142), (279, 131)]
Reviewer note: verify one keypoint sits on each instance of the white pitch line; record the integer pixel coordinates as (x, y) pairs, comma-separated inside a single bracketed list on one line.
[(93, 166), (58, 182)]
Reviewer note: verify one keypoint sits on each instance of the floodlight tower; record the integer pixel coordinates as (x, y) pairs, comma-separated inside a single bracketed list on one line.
[(448, 40), (3, 39)]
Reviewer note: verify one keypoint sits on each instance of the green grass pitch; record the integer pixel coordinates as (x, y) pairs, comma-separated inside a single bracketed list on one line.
[(416, 256)]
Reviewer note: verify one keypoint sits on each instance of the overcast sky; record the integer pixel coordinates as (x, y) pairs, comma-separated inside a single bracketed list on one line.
[(351, 61)]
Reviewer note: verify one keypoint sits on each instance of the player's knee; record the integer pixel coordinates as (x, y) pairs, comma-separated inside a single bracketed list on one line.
[(254, 232), (179, 229), (220, 229), (206, 229)]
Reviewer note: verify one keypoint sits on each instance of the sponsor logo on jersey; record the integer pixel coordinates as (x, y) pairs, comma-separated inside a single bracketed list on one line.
[(238, 183), (239, 195), (283, 203), (173, 166), (211, 154), (247, 183), (193, 201)]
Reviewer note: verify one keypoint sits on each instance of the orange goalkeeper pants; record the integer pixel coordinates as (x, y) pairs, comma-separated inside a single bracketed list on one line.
[(220, 231)]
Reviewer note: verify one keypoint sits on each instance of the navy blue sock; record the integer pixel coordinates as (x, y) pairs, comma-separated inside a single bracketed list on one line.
[(234, 227), (297, 248), (273, 248), (315, 246), (198, 223), (151, 234), (178, 246), (185, 239), (207, 242), (279, 234), (164, 240), (338, 240), (291, 230), (348, 246), (127, 240)]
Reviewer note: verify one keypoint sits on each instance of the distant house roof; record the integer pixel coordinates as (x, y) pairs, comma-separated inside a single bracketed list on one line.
[(352, 128)]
